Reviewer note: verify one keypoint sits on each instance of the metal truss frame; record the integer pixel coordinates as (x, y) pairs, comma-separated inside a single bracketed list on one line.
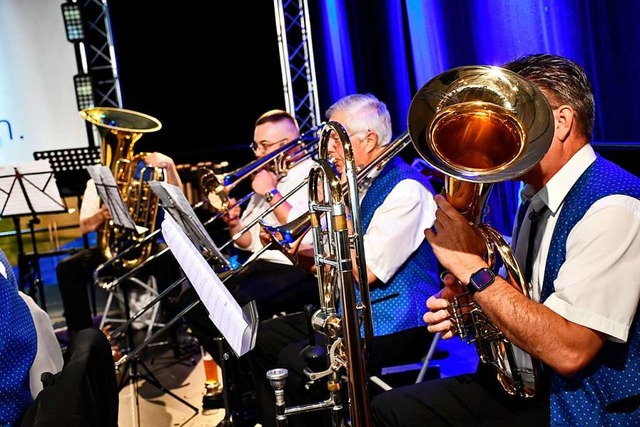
[(297, 62)]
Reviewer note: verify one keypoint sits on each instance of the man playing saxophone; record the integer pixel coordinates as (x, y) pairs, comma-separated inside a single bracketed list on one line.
[(396, 203), (581, 321), (75, 273)]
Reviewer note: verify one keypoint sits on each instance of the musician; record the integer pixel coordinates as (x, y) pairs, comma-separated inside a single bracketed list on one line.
[(28, 347), (271, 280), (582, 319), (75, 273), (396, 204)]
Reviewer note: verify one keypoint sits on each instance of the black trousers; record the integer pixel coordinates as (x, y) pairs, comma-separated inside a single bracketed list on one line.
[(276, 288), (75, 274), (285, 342), (466, 400)]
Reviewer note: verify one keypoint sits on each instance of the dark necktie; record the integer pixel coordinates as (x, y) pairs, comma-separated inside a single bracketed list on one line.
[(534, 219)]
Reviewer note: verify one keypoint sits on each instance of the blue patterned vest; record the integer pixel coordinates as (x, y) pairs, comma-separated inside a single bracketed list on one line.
[(18, 345), (417, 279), (597, 395)]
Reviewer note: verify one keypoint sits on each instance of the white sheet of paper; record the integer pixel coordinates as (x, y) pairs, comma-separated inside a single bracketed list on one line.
[(224, 311), (40, 189), (177, 206)]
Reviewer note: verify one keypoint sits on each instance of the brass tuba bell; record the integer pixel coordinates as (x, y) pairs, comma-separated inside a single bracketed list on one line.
[(120, 129), (481, 125)]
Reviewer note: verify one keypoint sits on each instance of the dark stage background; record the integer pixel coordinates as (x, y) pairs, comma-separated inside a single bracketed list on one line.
[(207, 70), (205, 83)]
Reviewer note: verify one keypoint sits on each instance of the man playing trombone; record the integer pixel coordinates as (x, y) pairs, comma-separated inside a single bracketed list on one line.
[(396, 203), (271, 279)]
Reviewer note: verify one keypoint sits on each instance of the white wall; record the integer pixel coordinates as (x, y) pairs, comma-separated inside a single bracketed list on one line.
[(38, 110)]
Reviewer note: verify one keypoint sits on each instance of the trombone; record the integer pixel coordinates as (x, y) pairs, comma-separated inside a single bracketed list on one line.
[(345, 348), (286, 238), (217, 188)]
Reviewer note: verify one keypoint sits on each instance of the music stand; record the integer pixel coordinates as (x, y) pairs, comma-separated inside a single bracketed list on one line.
[(109, 192), (68, 166), (238, 326), (29, 189)]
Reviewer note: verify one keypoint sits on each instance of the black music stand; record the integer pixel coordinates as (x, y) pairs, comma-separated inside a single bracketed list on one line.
[(68, 166), (238, 326), (108, 191), (29, 189)]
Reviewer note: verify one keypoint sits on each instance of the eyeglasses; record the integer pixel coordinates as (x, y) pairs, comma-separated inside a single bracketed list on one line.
[(263, 146)]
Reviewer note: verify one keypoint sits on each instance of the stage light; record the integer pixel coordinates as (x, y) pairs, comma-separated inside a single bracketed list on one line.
[(84, 91), (73, 22)]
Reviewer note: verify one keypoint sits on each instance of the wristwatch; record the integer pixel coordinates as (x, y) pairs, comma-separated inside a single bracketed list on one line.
[(480, 280), (268, 196)]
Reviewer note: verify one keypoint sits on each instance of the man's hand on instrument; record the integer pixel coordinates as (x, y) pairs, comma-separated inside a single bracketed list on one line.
[(455, 243), (232, 217), (438, 318), (264, 181)]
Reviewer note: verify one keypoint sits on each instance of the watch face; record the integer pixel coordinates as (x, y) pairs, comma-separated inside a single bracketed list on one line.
[(482, 278)]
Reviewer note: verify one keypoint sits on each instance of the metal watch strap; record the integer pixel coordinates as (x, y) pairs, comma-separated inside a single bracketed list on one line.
[(269, 195)]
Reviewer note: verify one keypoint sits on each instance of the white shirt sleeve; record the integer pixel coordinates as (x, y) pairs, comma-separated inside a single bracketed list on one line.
[(397, 227), (599, 284), (48, 355), (90, 201)]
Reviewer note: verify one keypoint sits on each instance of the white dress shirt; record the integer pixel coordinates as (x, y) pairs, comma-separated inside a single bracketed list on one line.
[(598, 286), (299, 202), (397, 227)]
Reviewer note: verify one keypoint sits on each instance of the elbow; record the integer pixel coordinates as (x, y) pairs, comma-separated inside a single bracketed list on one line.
[(572, 364)]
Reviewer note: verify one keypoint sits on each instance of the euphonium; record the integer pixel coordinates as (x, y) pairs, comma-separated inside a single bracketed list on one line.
[(120, 129), (481, 125)]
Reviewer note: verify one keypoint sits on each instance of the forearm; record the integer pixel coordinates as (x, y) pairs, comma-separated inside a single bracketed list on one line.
[(243, 241), (92, 223), (563, 345)]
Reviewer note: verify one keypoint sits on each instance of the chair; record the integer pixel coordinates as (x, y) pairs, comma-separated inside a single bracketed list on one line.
[(84, 393)]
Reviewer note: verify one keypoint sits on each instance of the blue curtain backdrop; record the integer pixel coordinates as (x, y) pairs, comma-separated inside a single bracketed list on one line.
[(392, 47)]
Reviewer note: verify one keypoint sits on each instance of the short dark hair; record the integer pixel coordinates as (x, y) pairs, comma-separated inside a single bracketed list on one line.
[(562, 81), (273, 116)]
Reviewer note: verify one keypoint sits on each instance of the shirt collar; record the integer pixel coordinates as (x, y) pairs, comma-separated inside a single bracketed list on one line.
[(553, 194)]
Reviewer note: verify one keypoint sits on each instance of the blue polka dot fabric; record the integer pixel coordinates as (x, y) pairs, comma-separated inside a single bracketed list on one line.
[(417, 279), (18, 345), (607, 392)]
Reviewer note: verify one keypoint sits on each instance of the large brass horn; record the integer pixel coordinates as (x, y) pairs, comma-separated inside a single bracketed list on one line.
[(481, 125), (120, 129)]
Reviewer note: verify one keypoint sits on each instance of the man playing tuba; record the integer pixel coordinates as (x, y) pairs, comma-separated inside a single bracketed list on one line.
[(581, 321), (75, 273)]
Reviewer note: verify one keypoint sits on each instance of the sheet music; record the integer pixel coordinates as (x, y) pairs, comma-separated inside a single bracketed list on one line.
[(110, 194), (29, 188), (176, 204), (237, 325)]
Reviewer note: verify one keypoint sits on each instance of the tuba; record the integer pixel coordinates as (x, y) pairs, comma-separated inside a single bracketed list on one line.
[(481, 125), (120, 129)]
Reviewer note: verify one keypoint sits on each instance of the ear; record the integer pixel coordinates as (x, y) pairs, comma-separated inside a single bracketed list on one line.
[(371, 141), (565, 119)]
